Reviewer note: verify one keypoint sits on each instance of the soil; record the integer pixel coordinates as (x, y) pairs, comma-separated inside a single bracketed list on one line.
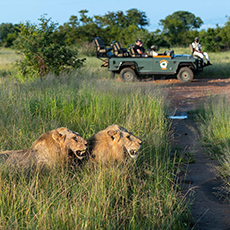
[(200, 181)]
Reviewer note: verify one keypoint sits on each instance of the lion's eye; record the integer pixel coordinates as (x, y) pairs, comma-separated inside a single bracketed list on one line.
[(128, 137), (75, 138)]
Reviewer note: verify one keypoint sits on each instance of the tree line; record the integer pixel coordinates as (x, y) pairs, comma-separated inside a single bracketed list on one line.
[(178, 29), (47, 47)]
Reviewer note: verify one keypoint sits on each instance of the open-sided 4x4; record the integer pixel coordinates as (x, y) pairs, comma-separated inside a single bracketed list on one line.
[(132, 66)]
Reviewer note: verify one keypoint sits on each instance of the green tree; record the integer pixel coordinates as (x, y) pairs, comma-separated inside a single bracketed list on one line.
[(136, 17), (78, 31), (213, 39), (177, 26), (157, 39), (121, 26), (225, 34), (43, 49), (8, 33), (11, 37)]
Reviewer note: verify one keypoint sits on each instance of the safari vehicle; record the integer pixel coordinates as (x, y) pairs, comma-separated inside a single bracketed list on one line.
[(132, 66)]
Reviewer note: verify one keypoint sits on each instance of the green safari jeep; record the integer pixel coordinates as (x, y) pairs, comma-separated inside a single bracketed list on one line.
[(132, 66)]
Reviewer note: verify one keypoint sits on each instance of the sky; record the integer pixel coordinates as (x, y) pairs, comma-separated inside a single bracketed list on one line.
[(211, 12)]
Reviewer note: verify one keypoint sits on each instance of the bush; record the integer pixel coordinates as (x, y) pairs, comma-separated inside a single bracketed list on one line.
[(44, 50)]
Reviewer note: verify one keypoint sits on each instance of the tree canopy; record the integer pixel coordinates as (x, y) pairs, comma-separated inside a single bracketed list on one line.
[(176, 26), (177, 29)]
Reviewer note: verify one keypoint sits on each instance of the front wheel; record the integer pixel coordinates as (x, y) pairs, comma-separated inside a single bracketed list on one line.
[(185, 74), (128, 75)]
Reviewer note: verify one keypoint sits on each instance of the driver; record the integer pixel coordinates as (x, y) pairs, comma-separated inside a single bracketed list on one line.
[(139, 49)]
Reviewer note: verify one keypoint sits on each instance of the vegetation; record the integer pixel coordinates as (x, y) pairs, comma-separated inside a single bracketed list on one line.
[(138, 194), (179, 28), (44, 51), (48, 47), (215, 133), (124, 27), (8, 33), (176, 27)]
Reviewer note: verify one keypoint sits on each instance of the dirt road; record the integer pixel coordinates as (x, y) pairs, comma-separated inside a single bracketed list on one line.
[(186, 96), (202, 184)]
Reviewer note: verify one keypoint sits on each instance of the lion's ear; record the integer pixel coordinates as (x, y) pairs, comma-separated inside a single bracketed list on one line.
[(58, 137), (113, 134)]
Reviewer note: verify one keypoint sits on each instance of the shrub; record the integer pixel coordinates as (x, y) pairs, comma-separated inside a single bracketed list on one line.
[(44, 50)]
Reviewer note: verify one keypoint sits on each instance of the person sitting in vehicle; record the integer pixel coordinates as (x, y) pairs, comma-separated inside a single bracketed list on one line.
[(199, 53), (153, 51), (139, 48)]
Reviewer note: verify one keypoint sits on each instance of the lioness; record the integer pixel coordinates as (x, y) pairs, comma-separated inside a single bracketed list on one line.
[(58, 145), (113, 144)]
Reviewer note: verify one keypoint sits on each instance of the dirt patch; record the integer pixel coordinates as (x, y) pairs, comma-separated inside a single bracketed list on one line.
[(200, 181), (187, 96)]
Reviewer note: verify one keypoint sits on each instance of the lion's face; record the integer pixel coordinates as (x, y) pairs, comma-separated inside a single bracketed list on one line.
[(131, 144), (121, 136), (73, 141)]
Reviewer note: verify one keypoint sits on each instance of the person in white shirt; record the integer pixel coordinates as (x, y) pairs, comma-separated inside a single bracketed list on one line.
[(198, 52), (153, 51)]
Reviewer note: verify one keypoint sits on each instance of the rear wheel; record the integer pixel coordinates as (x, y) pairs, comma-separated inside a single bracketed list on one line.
[(185, 74), (128, 75)]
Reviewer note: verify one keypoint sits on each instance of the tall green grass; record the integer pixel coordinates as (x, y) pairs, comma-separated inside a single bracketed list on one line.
[(215, 133), (8, 60), (137, 195), (215, 124)]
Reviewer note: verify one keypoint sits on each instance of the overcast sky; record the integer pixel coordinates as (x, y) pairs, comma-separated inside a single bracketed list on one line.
[(16, 11)]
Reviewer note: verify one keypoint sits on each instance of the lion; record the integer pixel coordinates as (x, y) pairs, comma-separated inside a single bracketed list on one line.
[(113, 144), (60, 145)]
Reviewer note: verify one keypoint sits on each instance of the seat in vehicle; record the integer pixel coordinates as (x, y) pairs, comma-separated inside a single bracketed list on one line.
[(132, 51), (118, 50), (101, 48)]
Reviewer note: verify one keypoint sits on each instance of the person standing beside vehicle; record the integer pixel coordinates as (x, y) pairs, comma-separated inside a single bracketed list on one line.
[(198, 52)]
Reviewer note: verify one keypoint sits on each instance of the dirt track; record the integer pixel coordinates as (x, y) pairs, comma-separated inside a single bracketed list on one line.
[(209, 211), (187, 96)]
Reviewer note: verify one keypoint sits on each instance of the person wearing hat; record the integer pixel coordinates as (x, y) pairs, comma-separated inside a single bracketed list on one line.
[(139, 49), (153, 51), (198, 52)]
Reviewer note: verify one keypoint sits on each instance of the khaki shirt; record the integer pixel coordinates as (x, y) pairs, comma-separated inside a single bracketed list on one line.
[(196, 46)]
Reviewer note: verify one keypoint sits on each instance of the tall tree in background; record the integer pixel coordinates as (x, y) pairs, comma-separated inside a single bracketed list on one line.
[(225, 34), (8, 33), (124, 27), (177, 26), (179, 29), (79, 30), (119, 26)]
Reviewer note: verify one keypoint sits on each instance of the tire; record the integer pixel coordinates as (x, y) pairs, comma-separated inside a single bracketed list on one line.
[(128, 75), (185, 74)]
